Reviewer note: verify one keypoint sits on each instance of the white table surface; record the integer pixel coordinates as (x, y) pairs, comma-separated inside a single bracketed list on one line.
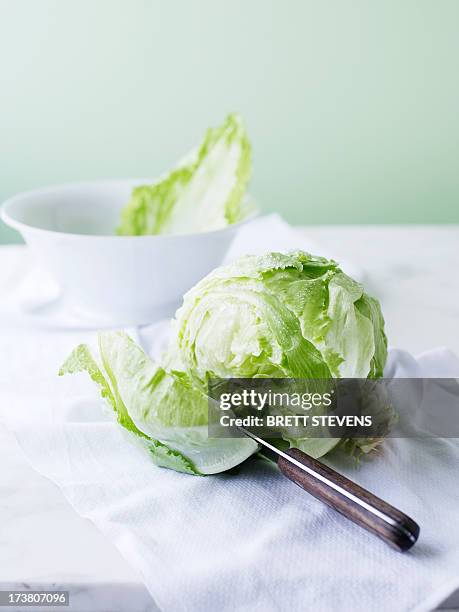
[(414, 273)]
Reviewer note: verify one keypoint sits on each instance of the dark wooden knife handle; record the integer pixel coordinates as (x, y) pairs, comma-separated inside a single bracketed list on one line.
[(353, 501)]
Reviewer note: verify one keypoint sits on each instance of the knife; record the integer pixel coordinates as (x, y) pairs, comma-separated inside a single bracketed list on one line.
[(347, 497)]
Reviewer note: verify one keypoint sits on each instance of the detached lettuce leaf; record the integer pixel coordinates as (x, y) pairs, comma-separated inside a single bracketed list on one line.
[(206, 191), (81, 360), (164, 409)]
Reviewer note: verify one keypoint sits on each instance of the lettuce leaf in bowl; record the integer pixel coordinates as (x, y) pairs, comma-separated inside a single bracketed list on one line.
[(206, 191)]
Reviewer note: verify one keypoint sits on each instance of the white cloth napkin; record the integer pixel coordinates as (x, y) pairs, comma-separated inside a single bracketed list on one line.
[(245, 542)]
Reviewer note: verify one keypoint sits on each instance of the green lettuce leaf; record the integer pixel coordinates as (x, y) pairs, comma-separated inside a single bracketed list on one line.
[(162, 408), (206, 191), (81, 360)]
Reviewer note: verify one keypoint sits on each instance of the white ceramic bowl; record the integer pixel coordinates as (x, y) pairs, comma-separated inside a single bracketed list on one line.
[(120, 280)]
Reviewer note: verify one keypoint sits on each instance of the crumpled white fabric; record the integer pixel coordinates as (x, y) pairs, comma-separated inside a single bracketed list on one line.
[(241, 542)]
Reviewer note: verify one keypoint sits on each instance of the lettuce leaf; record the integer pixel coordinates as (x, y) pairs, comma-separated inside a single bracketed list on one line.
[(206, 191), (162, 408)]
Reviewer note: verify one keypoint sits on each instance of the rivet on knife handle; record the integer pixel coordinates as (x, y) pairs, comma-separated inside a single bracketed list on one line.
[(350, 499)]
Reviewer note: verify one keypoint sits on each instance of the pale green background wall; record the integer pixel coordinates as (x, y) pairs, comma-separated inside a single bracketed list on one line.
[(352, 106)]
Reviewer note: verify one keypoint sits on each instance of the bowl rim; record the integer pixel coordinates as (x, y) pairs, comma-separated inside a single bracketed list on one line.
[(20, 226)]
